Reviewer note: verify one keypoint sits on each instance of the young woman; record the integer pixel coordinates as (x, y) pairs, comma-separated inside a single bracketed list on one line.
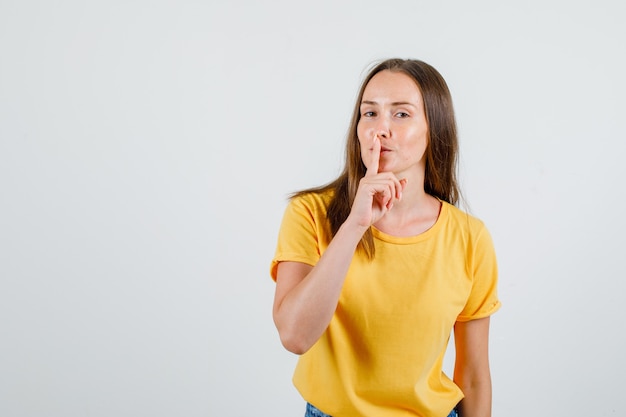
[(376, 269)]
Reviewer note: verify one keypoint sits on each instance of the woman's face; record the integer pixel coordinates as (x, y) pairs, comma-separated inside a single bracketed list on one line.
[(392, 108)]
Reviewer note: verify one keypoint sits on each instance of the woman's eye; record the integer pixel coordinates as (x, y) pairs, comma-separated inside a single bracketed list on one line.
[(369, 114), (402, 114)]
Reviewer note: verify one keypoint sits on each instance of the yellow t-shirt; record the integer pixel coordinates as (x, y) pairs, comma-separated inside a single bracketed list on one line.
[(382, 353)]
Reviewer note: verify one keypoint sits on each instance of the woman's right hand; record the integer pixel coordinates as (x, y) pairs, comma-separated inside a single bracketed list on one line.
[(377, 192)]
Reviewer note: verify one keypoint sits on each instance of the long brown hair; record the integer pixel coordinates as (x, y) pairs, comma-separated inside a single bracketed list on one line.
[(441, 153)]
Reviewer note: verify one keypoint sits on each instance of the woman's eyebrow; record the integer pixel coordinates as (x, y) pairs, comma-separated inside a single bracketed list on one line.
[(403, 103), (395, 103)]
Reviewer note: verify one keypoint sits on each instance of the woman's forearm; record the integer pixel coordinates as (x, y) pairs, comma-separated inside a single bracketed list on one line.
[(306, 309), (471, 370), (477, 401)]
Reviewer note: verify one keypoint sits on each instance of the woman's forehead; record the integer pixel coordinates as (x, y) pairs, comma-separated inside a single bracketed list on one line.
[(391, 86)]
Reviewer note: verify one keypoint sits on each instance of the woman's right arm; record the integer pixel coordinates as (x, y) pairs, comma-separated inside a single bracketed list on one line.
[(306, 296)]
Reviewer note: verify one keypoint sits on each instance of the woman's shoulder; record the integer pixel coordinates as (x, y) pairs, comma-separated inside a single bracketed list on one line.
[(318, 199), (462, 218)]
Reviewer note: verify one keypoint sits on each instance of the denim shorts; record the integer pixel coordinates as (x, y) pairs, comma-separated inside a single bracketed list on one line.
[(311, 411)]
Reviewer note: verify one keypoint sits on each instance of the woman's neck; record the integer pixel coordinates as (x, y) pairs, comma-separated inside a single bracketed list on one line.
[(415, 213)]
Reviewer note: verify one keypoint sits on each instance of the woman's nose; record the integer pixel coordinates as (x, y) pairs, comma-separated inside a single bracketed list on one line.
[(382, 132), (382, 128)]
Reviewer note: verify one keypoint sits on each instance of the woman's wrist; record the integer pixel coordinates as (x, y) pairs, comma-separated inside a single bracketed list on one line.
[(355, 226)]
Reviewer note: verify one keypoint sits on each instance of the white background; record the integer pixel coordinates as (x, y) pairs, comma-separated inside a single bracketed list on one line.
[(147, 147)]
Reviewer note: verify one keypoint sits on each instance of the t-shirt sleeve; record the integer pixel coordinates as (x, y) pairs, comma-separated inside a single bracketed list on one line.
[(299, 235), (483, 299)]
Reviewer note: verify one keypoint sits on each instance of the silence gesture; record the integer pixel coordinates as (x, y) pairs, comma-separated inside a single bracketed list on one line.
[(377, 192)]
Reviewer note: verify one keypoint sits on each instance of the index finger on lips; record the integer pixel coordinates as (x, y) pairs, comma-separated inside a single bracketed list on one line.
[(375, 158)]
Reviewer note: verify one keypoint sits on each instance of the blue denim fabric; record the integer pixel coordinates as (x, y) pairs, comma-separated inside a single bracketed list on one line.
[(311, 411), (314, 412)]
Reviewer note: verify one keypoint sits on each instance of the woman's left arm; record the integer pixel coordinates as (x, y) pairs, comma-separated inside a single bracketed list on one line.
[(471, 368)]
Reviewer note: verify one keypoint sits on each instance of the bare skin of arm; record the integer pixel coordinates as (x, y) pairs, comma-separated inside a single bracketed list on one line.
[(471, 369), (306, 296)]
